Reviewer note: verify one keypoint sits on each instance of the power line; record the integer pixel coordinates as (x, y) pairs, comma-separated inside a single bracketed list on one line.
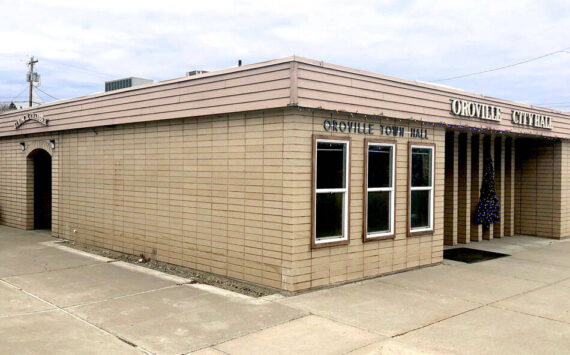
[(20, 93), (57, 63), (552, 103), (53, 97), (85, 69), (560, 105), (10, 55), (565, 50)]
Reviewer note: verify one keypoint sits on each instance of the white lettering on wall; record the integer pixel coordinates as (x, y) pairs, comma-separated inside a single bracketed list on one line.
[(475, 110), (530, 119), (30, 116)]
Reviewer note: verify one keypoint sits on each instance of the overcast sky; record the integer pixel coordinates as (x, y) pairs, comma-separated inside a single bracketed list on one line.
[(80, 45)]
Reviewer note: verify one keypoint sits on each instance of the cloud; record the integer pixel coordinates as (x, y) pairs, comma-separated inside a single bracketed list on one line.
[(82, 44)]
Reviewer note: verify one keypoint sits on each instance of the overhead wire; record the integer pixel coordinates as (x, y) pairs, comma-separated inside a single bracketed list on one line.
[(85, 69), (20, 93), (565, 50), (53, 97), (553, 103)]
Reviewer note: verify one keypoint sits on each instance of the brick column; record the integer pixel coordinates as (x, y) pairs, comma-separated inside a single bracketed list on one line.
[(464, 195), (450, 195), (499, 229), (509, 196), (558, 213), (55, 193), (476, 233), (488, 234), (29, 217), (547, 199)]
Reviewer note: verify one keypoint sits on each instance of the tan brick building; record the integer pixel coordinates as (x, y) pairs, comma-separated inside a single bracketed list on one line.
[(291, 173)]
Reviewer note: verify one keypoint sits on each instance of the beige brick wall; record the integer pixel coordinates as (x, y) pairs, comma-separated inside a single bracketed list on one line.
[(229, 194), (477, 160), (565, 189), (13, 175), (499, 166), (16, 180), (206, 193), (539, 193), (451, 191), (329, 265), (509, 199), (464, 212)]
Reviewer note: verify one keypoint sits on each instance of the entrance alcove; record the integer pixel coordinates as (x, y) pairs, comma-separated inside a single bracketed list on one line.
[(39, 168), (541, 188), (528, 174)]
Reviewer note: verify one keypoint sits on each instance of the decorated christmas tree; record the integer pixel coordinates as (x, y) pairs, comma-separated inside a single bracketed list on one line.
[(488, 209)]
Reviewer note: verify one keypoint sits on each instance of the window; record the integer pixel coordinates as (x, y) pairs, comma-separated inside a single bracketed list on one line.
[(330, 186), (421, 188), (379, 190)]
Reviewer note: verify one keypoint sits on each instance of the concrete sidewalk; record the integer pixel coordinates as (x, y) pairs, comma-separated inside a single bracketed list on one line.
[(61, 301)]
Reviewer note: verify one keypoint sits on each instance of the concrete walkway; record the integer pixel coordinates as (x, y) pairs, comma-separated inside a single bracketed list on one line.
[(55, 300)]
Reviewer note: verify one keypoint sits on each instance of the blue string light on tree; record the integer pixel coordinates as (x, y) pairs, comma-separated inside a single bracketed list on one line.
[(488, 209)]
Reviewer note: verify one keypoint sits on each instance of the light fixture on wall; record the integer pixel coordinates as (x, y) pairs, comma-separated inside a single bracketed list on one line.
[(23, 146), (52, 143)]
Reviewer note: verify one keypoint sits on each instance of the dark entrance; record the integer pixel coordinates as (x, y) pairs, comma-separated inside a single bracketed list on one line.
[(42, 189)]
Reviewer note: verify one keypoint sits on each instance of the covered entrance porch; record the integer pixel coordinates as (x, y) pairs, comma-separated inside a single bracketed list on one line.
[(528, 183)]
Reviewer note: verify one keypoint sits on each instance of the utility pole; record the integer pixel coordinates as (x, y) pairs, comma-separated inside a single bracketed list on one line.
[(31, 77)]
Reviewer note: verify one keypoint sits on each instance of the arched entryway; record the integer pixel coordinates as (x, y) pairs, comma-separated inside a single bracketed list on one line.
[(40, 162)]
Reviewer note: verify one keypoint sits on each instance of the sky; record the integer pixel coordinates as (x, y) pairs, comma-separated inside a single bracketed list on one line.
[(82, 44)]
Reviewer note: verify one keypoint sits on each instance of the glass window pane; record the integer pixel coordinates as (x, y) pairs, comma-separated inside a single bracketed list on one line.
[(330, 165), (379, 166), (378, 212), (329, 214), (421, 166), (420, 209)]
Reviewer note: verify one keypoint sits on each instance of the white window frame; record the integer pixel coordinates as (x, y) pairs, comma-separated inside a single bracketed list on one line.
[(375, 189), (345, 191), (422, 188)]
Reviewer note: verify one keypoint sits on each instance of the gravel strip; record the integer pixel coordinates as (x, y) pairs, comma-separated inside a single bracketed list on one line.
[(227, 283)]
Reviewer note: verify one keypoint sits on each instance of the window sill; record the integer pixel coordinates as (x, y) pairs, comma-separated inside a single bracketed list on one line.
[(420, 233), (332, 243), (366, 238)]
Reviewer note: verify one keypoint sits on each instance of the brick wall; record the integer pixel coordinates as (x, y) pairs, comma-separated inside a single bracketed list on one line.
[(227, 194), (539, 207), (324, 266), (13, 175), (564, 149), (16, 180), (203, 192)]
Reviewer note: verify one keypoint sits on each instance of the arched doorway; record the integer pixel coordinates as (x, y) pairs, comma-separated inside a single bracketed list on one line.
[(41, 161)]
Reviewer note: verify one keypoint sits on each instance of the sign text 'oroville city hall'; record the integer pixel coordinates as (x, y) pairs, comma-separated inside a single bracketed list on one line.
[(367, 128), (493, 113)]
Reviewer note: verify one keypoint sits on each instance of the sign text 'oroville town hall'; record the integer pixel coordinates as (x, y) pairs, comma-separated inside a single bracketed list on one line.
[(367, 128)]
